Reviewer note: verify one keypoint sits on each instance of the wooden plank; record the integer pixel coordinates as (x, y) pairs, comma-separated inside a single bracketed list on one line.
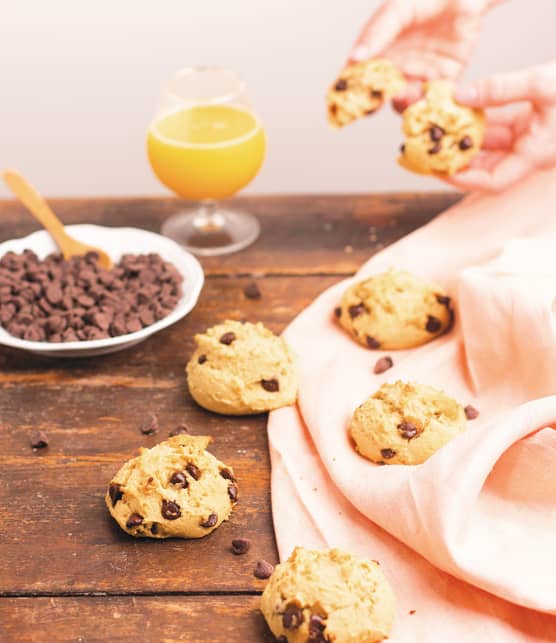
[(56, 535), (218, 619), (302, 234)]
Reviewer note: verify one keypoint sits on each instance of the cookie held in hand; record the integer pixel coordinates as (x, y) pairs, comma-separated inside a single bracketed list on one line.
[(176, 489), (241, 369), (441, 136), (361, 89), (405, 423), (331, 595), (394, 310)]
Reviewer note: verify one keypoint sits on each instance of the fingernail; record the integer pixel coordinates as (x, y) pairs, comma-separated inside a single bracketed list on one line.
[(359, 53), (466, 94)]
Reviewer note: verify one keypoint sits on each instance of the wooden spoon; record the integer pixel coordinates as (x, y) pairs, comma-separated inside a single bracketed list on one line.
[(40, 209)]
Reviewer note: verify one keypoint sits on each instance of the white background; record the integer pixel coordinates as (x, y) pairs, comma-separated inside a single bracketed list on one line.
[(79, 80)]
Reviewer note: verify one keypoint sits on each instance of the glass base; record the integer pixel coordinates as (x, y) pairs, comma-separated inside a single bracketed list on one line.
[(217, 232)]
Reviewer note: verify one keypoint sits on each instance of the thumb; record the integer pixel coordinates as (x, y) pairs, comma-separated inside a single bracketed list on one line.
[(380, 30)]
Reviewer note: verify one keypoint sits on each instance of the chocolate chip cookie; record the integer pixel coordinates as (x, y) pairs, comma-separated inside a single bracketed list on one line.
[(361, 89), (441, 136), (405, 423), (241, 369), (394, 310), (176, 489), (325, 596)]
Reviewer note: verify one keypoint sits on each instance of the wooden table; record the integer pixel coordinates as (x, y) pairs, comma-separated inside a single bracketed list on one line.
[(67, 572)]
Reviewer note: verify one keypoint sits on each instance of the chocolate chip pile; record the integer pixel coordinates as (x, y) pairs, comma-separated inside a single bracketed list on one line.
[(54, 300)]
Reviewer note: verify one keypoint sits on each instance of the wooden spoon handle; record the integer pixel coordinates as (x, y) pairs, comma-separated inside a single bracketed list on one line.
[(38, 207)]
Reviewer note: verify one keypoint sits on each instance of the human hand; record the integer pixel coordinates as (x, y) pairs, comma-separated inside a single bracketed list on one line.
[(520, 134), (425, 39)]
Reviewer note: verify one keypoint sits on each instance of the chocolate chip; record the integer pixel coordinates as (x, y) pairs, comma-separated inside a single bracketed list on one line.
[(178, 478), (433, 324), (372, 342), (292, 616), (53, 294), (408, 430), (209, 522), (376, 93), (154, 528), (436, 133), (227, 475), (341, 85), (133, 325), (193, 470), (181, 429), (202, 359), (170, 510), (115, 492), (150, 426), (383, 364), (444, 300), (134, 520), (272, 385), (227, 338), (402, 148), (39, 440), (471, 412), (263, 569), (356, 310), (387, 453), (233, 492), (251, 291), (411, 612), (435, 148), (338, 312), (240, 546), (465, 143), (316, 630)]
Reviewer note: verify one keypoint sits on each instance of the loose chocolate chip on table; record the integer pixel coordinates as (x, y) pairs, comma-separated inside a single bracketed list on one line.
[(436, 133), (356, 310), (115, 492), (240, 546), (170, 510), (383, 364), (471, 412), (179, 430), (443, 299), (227, 338), (150, 426), (263, 569), (465, 143), (408, 430), (178, 478), (193, 470), (209, 522), (39, 440), (251, 291), (433, 324), (338, 312), (292, 616), (387, 453), (134, 521), (233, 492), (341, 85), (435, 148), (201, 359), (372, 342), (272, 385), (227, 475)]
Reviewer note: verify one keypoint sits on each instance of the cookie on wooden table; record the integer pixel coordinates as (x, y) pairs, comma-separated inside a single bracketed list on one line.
[(441, 135), (241, 369), (176, 489), (325, 596), (394, 310), (361, 89), (405, 423)]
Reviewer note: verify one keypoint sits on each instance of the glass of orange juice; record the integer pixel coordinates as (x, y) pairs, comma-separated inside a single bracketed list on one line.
[(205, 144)]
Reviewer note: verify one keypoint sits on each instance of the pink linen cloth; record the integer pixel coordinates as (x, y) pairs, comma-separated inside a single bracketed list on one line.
[(467, 539)]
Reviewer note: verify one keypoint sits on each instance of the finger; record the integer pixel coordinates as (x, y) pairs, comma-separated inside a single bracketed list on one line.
[(511, 169), (498, 137), (411, 93), (380, 30), (500, 89)]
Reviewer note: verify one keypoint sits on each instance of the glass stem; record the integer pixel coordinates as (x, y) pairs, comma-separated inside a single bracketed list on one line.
[(207, 219)]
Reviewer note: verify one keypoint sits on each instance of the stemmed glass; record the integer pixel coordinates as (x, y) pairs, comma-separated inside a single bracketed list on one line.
[(206, 143)]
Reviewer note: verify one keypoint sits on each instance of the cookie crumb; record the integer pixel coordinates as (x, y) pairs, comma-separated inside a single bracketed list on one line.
[(39, 440), (263, 570)]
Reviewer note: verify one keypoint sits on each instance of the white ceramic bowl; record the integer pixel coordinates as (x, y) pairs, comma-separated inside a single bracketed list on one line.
[(116, 242)]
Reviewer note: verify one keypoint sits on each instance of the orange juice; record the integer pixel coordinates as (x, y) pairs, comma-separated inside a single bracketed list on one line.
[(207, 151)]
